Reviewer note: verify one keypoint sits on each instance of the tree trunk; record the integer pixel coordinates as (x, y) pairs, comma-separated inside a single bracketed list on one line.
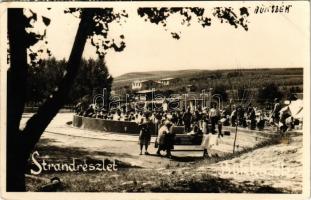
[(16, 94), (21, 143)]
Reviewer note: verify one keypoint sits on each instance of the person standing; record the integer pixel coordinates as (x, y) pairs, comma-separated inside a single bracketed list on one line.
[(170, 138), (208, 142), (205, 123), (276, 111), (213, 117), (187, 118), (234, 116), (219, 125), (252, 117), (144, 135)]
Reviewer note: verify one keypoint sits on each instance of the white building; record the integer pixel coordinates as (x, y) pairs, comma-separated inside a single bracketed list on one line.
[(168, 81), (144, 84)]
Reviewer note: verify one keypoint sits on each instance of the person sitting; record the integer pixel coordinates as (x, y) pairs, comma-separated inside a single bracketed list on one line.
[(261, 121), (99, 114), (78, 108), (90, 111), (117, 116), (132, 117), (110, 116), (285, 122), (195, 130), (164, 139), (251, 115)]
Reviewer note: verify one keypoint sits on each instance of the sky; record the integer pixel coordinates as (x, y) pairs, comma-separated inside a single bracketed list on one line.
[(273, 40)]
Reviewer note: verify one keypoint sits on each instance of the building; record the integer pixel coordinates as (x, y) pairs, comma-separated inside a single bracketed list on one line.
[(144, 84), (149, 84), (168, 81)]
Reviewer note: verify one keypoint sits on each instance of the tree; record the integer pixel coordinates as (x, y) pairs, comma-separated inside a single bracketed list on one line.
[(268, 93), (43, 79), (244, 94), (93, 76), (291, 93), (20, 143), (221, 91)]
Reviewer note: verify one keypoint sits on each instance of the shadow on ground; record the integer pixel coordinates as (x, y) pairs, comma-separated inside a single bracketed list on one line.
[(47, 148)]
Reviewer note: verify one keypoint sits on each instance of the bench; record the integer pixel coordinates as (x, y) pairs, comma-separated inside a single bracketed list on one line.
[(182, 139)]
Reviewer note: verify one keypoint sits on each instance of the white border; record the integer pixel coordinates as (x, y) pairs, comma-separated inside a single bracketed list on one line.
[(129, 196)]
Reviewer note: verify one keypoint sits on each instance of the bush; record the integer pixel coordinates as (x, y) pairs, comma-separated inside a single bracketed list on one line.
[(268, 93)]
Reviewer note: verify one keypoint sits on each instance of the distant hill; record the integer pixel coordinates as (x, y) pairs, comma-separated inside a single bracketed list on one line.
[(154, 75), (229, 78)]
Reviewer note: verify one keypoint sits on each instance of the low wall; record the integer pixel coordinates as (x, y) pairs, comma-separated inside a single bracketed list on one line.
[(107, 125), (130, 128)]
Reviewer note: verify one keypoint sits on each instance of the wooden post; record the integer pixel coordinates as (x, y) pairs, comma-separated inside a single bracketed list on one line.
[(236, 130)]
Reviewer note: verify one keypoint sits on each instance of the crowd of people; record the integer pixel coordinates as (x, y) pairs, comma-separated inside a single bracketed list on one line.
[(200, 121), (197, 119)]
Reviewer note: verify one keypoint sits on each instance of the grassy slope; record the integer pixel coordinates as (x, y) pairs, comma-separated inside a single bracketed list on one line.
[(286, 76)]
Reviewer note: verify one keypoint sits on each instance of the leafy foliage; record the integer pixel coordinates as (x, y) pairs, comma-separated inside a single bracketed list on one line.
[(92, 78), (269, 93), (221, 91), (44, 75), (99, 36), (159, 16), (228, 15), (36, 37)]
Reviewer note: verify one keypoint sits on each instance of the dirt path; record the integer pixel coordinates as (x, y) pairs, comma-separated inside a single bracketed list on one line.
[(277, 166), (103, 145), (117, 146)]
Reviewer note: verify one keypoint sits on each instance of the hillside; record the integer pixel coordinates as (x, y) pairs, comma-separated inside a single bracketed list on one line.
[(229, 79), (155, 75)]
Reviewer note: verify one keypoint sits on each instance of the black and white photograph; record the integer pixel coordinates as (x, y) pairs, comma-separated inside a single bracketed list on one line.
[(170, 99)]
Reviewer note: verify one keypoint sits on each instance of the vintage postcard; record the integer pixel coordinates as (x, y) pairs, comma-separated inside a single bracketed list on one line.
[(155, 100)]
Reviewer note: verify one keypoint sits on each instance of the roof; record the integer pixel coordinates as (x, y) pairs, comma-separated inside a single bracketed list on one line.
[(189, 96), (140, 81), (167, 79), (144, 91)]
